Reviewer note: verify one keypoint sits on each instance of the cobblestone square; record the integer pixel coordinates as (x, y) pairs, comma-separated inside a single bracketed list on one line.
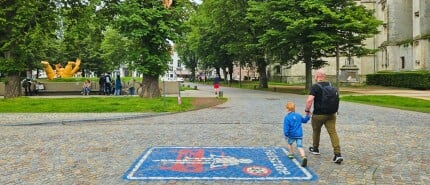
[(379, 145)]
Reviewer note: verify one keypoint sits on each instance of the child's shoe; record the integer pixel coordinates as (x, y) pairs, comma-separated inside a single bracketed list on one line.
[(304, 162), (291, 156)]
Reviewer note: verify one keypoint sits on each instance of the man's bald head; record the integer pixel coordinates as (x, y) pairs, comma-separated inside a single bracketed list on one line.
[(319, 75)]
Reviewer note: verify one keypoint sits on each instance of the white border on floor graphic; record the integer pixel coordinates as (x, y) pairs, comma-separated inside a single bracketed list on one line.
[(217, 163)]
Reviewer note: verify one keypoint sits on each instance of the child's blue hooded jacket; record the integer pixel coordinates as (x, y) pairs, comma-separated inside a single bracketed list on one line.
[(293, 125)]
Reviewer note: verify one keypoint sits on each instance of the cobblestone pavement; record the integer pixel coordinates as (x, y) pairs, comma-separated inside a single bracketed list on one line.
[(379, 145)]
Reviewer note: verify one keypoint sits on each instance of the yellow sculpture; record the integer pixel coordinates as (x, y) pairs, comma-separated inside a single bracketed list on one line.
[(71, 68), (67, 72), (59, 69), (167, 3), (48, 70)]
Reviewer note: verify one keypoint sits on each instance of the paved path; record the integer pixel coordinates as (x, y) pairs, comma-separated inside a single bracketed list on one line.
[(421, 94), (380, 145)]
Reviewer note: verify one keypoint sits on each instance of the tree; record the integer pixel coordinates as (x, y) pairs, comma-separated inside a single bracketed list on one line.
[(241, 36), (114, 49), (27, 31), (188, 57), (311, 29), (229, 31), (186, 46), (80, 32), (150, 27), (225, 35)]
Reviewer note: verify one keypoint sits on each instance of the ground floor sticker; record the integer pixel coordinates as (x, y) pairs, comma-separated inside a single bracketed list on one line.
[(218, 163)]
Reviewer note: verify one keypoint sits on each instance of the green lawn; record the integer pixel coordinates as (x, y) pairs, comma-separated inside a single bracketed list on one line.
[(170, 104), (94, 104)]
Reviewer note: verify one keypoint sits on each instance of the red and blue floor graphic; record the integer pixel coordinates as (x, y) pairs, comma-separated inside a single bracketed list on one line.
[(217, 163)]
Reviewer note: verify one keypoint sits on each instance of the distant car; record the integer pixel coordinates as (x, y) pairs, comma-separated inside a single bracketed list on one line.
[(180, 79)]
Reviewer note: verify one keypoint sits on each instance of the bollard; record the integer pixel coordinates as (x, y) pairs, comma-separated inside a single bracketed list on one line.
[(195, 87), (220, 94)]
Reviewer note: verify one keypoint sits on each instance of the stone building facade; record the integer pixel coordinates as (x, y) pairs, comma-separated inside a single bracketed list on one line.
[(403, 44), (404, 39)]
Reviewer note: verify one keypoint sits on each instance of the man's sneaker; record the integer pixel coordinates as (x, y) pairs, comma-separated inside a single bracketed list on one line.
[(337, 158), (304, 162), (291, 156), (314, 151)]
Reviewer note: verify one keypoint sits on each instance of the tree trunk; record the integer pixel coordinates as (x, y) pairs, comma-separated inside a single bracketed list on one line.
[(150, 87), (12, 86), (230, 69), (261, 63), (224, 74), (308, 63)]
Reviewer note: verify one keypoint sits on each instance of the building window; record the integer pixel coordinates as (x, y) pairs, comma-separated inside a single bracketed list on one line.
[(179, 63), (278, 69), (403, 62)]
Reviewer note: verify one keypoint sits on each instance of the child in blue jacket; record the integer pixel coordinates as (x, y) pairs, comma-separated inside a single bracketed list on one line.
[(293, 131)]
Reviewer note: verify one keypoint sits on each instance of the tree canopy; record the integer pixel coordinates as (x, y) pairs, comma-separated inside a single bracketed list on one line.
[(63, 30), (26, 30), (151, 29), (215, 34), (284, 31)]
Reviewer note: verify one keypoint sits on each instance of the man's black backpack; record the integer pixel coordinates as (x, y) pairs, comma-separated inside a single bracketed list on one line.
[(329, 99)]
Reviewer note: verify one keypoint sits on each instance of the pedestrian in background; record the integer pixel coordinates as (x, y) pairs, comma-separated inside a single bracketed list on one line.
[(102, 82), (26, 84), (216, 84), (131, 86), (86, 87), (118, 86), (108, 82)]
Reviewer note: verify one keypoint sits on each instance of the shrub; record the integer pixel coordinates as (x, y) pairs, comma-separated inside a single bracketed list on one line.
[(407, 79)]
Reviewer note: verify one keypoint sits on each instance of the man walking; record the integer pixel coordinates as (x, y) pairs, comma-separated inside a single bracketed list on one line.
[(102, 82), (325, 99), (108, 81)]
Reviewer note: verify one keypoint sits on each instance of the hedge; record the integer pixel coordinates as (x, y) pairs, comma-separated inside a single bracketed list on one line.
[(407, 79)]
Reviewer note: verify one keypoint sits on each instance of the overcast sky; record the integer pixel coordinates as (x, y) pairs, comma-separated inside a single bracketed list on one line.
[(197, 1)]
